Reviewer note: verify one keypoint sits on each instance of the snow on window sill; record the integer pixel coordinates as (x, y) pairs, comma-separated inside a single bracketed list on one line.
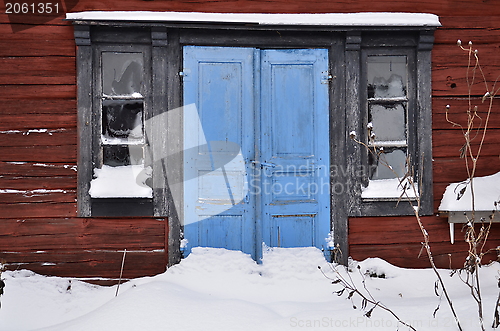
[(387, 189), (121, 182)]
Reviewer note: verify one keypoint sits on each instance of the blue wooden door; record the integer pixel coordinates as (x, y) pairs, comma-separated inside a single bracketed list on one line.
[(295, 147), (256, 143), (218, 146)]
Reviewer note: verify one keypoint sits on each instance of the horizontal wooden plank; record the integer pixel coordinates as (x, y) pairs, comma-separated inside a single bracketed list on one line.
[(451, 81), (394, 230), (465, 22), (11, 196), (38, 70), (31, 235), (444, 55), (31, 169), (93, 263), (22, 107), (37, 47), (37, 32), (481, 34), (25, 122), (449, 170), (37, 92), (38, 137), (448, 143), (41, 154), (402, 229), (37, 183), (41, 209), (40, 40), (458, 112)]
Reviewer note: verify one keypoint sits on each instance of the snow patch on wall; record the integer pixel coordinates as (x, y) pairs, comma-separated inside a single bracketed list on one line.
[(121, 182), (486, 192)]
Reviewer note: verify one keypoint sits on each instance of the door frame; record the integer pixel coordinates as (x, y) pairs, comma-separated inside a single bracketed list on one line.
[(276, 39)]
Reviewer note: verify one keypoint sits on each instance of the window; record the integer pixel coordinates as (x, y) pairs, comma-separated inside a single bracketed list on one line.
[(393, 124), (115, 102), (119, 159)]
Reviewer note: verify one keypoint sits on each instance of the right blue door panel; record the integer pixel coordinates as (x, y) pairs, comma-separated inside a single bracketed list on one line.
[(265, 114), (295, 147)]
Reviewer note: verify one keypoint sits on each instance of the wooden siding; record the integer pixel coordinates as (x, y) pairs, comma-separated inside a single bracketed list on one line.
[(38, 145)]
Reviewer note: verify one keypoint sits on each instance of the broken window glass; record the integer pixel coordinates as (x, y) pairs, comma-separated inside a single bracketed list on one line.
[(387, 76), (122, 121), (122, 155), (122, 73)]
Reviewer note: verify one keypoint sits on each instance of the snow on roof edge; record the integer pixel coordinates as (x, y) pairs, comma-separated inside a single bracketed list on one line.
[(332, 19)]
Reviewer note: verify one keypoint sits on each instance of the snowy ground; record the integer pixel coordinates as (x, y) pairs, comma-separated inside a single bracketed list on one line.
[(216, 289)]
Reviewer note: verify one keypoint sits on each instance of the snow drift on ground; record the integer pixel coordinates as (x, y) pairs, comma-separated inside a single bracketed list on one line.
[(219, 290)]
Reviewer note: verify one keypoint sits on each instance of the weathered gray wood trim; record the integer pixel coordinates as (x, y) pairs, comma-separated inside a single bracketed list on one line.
[(424, 119), (352, 189), (338, 178), (157, 121), (84, 121), (174, 166), (275, 39)]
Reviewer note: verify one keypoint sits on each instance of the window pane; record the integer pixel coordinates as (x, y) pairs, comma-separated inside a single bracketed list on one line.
[(120, 155), (381, 164), (122, 73), (122, 121), (387, 76), (388, 123)]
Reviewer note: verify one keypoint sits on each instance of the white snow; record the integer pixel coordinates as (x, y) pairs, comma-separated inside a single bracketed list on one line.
[(119, 182), (220, 290), (330, 19), (387, 188), (486, 192)]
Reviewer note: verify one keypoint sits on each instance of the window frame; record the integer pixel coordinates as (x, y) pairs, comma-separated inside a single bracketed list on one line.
[(416, 45)]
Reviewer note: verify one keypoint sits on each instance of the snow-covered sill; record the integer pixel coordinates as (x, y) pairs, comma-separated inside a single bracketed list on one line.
[(121, 182), (326, 19), (387, 190)]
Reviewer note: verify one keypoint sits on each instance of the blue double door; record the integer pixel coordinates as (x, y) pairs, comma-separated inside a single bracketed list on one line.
[(256, 148)]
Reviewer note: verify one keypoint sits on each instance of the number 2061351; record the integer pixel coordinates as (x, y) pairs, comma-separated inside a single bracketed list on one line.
[(31, 8)]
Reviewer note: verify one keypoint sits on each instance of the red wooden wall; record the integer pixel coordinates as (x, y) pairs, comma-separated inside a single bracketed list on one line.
[(39, 229)]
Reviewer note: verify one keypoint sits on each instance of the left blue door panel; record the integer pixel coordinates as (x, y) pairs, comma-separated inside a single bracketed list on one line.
[(218, 144)]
